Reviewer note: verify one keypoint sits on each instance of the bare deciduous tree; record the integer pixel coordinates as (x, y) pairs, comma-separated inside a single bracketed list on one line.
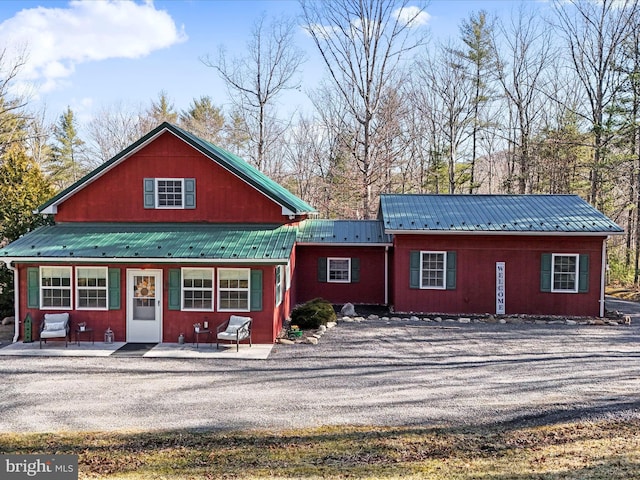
[(256, 80), (363, 44), (595, 33)]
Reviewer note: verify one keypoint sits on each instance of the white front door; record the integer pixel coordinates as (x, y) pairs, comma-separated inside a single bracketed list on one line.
[(144, 305)]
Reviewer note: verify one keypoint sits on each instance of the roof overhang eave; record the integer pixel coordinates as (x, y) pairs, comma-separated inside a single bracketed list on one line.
[(172, 260), (343, 244), (502, 233)]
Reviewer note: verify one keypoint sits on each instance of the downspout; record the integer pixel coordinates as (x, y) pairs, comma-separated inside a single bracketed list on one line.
[(386, 275), (16, 300), (603, 270)]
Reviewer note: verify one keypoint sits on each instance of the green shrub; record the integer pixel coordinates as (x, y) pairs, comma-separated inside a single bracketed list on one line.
[(312, 314)]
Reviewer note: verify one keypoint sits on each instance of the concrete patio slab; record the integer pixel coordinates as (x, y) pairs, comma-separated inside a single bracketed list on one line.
[(175, 350), (57, 349), (162, 350)]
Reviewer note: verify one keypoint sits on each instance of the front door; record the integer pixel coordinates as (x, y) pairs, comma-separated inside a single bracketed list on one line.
[(144, 305)]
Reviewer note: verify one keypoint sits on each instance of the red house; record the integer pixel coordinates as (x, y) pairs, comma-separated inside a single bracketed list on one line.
[(174, 231)]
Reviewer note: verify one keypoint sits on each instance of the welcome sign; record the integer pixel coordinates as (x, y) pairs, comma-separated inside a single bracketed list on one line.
[(51, 467)]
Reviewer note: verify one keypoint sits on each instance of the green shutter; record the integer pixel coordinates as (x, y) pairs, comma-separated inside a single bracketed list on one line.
[(451, 270), (255, 297), (583, 274), (322, 269), (355, 270), (114, 289), (414, 269), (174, 288), (189, 193), (149, 193), (33, 287), (545, 273)]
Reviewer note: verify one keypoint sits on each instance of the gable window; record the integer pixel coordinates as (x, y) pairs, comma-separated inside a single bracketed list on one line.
[(169, 192), (55, 287), (197, 289), (339, 270), (565, 273), (91, 288), (233, 289), (433, 270)]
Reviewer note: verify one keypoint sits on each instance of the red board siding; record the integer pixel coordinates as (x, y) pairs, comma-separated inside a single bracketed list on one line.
[(476, 275), (369, 290), (266, 323), (117, 196)]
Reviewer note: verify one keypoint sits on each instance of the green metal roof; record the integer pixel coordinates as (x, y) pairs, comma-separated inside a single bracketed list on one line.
[(342, 232), (162, 242), (512, 214), (227, 160)]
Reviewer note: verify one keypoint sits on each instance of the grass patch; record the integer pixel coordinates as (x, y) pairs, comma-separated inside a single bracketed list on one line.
[(581, 450)]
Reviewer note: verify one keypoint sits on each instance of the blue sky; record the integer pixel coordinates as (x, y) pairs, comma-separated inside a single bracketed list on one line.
[(95, 54)]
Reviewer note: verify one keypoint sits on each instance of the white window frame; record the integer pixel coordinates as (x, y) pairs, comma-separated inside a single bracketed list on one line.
[(444, 270), (50, 287), (287, 276), (199, 289), (279, 281), (341, 259), (157, 194), (220, 289), (105, 288), (576, 273)]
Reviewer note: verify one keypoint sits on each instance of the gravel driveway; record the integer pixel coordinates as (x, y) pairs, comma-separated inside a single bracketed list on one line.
[(374, 372)]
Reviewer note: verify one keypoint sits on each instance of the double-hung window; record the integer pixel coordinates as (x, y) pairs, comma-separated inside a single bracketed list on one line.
[(169, 192), (197, 289), (233, 289), (433, 271), (55, 287), (565, 273), (279, 284), (91, 288), (339, 270)]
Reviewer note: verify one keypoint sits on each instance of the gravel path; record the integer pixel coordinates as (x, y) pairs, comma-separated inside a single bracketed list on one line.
[(380, 373)]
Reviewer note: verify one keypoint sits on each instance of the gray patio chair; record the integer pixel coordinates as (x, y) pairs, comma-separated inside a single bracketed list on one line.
[(55, 326), (235, 329)]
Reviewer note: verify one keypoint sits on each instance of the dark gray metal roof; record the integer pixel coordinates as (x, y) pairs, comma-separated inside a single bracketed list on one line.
[(342, 232), (558, 214), (164, 242)]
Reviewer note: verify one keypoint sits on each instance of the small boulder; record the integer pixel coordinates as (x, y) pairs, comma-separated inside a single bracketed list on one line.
[(331, 324), (373, 317), (464, 320), (312, 340), (322, 328), (571, 322), (285, 341), (348, 310), (414, 318), (8, 320)]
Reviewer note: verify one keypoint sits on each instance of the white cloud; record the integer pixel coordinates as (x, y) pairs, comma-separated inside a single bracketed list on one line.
[(412, 16), (58, 39)]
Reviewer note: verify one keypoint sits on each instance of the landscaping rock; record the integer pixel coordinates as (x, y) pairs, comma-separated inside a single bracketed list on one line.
[(312, 340), (286, 341), (373, 317), (347, 319), (502, 321), (8, 320), (414, 318), (317, 335), (395, 319), (348, 310), (597, 321), (358, 319), (571, 322), (385, 319), (464, 320), (323, 328), (437, 319), (491, 319), (331, 324)]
